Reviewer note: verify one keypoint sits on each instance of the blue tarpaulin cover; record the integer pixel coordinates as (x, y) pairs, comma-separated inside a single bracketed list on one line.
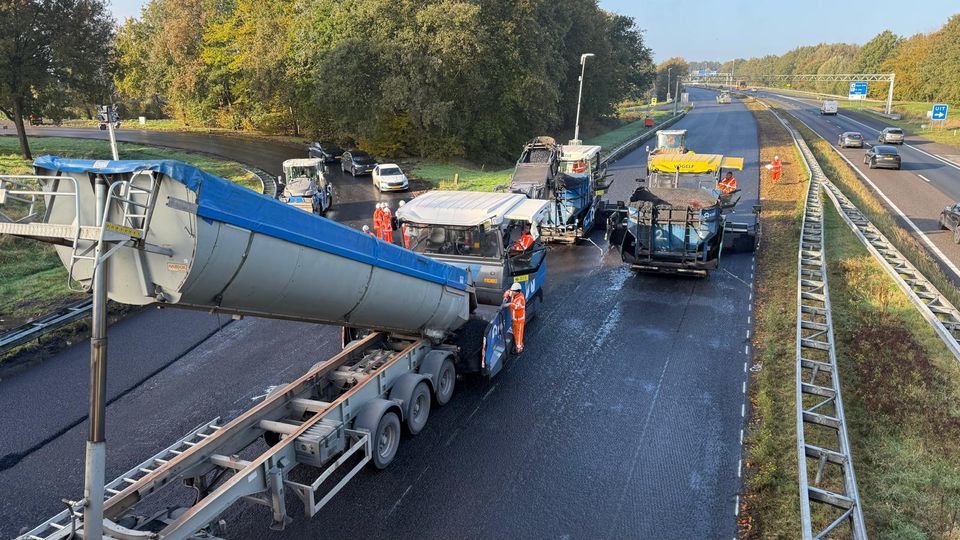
[(224, 201)]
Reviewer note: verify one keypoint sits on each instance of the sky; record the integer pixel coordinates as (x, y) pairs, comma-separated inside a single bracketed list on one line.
[(726, 29)]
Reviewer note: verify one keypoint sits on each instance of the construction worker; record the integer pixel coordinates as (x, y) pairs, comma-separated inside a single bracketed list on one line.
[(518, 312), (728, 185), (776, 170), (386, 223), (405, 231), (377, 219), (366, 229), (523, 243)]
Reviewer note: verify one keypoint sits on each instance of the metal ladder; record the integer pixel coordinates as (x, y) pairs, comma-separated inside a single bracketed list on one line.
[(136, 204), (67, 522)]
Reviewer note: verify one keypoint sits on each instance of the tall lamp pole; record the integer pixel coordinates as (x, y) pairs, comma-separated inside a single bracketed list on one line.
[(583, 66), (669, 69)]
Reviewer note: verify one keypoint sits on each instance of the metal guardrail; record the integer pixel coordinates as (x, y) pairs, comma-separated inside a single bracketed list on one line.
[(938, 311), (829, 501), (35, 329)]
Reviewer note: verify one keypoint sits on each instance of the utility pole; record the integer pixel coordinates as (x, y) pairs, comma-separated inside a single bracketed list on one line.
[(669, 69), (890, 94), (583, 67), (676, 102)]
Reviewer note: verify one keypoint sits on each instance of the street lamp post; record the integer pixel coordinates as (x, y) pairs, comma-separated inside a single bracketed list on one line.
[(583, 66), (669, 69)]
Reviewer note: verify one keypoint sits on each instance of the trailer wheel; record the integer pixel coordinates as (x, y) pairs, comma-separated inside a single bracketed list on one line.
[(419, 408), (386, 440), (446, 381)]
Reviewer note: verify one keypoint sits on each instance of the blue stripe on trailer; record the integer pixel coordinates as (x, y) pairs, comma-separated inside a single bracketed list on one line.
[(223, 201)]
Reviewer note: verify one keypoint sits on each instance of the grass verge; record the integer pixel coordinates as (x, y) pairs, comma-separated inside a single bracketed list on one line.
[(863, 197), (33, 281), (770, 503), (901, 389)]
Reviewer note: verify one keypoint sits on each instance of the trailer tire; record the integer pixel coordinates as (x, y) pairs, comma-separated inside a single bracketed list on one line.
[(381, 419), (412, 392), (443, 375)]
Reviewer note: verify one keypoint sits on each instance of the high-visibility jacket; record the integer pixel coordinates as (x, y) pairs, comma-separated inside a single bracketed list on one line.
[(377, 220), (524, 242), (386, 224), (727, 185), (407, 237), (777, 164), (518, 305)]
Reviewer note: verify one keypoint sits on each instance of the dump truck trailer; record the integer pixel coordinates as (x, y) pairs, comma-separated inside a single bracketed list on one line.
[(175, 236), (675, 221)]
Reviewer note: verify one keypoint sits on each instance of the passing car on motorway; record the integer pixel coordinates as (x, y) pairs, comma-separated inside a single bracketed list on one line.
[(950, 221), (327, 151), (850, 139), (389, 177), (357, 162), (882, 156), (891, 135)]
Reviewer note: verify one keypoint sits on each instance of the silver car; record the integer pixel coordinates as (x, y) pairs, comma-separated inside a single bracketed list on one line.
[(850, 139), (891, 135)]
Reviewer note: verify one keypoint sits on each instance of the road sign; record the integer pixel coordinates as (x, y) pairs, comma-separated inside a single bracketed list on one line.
[(858, 90), (939, 112)]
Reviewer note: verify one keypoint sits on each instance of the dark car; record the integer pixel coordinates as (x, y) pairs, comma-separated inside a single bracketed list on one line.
[(357, 162), (891, 135), (882, 156), (327, 151), (850, 139), (950, 221)]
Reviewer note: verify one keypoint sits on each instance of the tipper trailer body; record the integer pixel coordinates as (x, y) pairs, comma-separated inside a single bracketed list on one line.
[(174, 236)]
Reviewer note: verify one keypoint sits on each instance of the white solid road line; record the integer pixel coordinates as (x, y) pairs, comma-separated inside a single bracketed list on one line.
[(934, 156), (925, 179)]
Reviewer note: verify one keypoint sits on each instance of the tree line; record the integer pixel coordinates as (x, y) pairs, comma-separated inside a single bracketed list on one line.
[(927, 65), (431, 78)]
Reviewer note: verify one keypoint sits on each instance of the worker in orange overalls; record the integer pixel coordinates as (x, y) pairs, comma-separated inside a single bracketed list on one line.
[(386, 223), (518, 312), (728, 185), (406, 231), (523, 243), (377, 219), (776, 170)]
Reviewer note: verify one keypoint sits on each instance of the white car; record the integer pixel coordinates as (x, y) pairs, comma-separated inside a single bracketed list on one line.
[(389, 177)]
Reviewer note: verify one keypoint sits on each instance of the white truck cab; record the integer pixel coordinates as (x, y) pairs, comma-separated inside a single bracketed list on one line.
[(478, 231)]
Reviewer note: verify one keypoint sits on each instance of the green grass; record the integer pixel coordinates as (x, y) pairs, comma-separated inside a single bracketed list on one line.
[(622, 134), (770, 502), (901, 389), (32, 279)]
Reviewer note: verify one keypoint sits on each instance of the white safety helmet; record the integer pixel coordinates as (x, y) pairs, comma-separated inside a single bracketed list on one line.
[(401, 204), (776, 157), (379, 205), (366, 228), (515, 287)]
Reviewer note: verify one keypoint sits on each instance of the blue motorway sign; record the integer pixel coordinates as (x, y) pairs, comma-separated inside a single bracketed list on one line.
[(858, 88), (939, 112)]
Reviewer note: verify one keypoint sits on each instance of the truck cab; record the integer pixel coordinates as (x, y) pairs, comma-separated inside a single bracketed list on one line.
[(306, 187), (479, 232), (670, 141)]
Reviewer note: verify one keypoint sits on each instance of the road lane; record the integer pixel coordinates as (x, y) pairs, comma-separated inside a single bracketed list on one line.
[(925, 185), (622, 419)]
